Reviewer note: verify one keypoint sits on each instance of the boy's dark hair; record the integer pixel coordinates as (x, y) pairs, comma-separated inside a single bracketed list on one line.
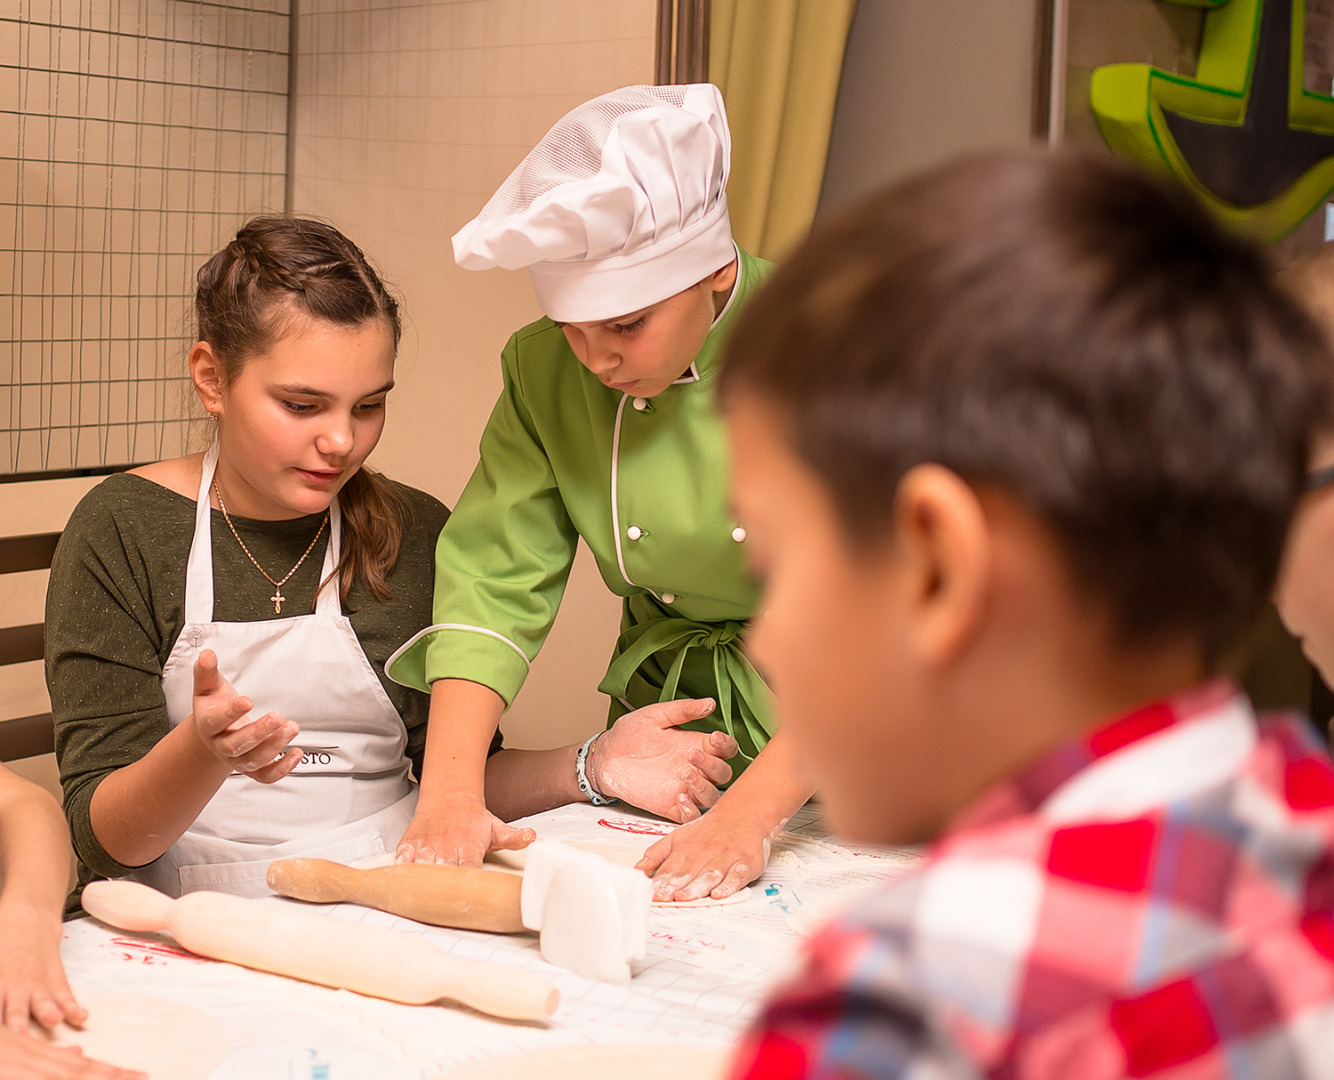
[(1064, 329)]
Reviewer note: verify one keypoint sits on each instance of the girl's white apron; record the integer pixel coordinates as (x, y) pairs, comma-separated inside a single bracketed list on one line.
[(349, 799)]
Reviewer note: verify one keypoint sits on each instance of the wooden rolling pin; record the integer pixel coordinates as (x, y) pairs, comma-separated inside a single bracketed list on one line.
[(460, 896), (309, 946)]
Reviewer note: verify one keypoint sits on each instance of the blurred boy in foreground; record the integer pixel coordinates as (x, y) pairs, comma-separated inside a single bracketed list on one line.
[(1305, 593), (1015, 444)]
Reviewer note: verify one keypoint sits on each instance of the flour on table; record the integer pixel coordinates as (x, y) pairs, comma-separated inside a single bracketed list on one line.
[(617, 1061), (151, 1034)]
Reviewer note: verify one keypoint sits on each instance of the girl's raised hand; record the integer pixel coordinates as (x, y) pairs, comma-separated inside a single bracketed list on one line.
[(646, 760), (258, 748)]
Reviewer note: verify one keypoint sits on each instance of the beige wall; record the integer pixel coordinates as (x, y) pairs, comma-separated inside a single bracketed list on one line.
[(135, 136), (407, 117)]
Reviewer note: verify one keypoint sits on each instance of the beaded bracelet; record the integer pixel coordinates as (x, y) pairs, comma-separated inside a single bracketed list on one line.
[(581, 773)]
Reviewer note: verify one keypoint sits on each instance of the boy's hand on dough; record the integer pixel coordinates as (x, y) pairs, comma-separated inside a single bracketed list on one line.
[(646, 760), (716, 855), (258, 748), (25, 1057), (459, 830)]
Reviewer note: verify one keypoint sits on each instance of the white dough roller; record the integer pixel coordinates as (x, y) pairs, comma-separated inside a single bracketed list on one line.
[(305, 945)]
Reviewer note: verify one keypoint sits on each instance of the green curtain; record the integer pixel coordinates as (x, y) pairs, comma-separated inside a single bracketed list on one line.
[(778, 64)]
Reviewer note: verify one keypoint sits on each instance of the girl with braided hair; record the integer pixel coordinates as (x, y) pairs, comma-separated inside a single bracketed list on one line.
[(217, 623)]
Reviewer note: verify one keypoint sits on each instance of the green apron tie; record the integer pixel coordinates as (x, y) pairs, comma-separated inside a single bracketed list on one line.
[(741, 689)]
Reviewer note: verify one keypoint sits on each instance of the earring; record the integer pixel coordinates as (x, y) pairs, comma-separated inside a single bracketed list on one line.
[(213, 416)]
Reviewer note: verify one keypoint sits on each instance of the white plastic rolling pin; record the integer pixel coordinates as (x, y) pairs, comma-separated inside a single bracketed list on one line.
[(319, 949)]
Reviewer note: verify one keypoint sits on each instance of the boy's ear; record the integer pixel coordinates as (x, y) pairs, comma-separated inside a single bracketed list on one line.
[(206, 374), (724, 279), (943, 539)]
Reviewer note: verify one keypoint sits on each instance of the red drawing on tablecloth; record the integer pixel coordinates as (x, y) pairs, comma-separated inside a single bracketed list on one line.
[(687, 942), (639, 828), (149, 952)]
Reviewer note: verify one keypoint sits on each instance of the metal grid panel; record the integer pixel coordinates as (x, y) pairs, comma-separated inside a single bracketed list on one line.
[(135, 136)]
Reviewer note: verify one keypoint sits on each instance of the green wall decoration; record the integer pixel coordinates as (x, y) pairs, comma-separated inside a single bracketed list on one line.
[(1244, 134)]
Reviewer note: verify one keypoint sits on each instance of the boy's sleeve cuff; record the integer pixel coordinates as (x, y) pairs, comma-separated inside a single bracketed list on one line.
[(456, 651)]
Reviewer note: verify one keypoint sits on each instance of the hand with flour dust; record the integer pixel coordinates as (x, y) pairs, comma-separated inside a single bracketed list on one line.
[(644, 759), (457, 828), (728, 847), (258, 748), (716, 855), (24, 1057)]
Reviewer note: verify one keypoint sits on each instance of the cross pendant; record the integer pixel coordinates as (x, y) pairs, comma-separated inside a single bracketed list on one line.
[(277, 599)]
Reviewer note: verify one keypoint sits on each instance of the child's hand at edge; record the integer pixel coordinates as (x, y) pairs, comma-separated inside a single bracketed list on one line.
[(32, 978)]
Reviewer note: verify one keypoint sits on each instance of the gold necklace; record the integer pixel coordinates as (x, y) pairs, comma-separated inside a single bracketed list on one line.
[(278, 598)]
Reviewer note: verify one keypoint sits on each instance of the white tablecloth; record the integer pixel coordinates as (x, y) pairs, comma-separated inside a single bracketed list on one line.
[(706, 972)]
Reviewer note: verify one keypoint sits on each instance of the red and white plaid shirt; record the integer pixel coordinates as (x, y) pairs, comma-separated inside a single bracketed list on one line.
[(1153, 900)]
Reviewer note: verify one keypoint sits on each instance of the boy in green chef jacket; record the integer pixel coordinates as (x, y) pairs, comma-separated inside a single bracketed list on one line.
[(607, 429)]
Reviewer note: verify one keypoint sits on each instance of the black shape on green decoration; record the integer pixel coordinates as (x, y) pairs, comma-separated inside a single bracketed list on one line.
[(1244, 134), (1263, 157)]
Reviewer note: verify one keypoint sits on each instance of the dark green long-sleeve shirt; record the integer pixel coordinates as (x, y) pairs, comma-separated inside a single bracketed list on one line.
[(115, 606)]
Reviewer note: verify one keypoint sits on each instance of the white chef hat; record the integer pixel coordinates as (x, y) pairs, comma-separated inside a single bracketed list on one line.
[(620, 205)]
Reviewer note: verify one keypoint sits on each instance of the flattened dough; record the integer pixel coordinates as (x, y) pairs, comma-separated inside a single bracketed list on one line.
[(620, 1061), (151, 1034), (620, 854), (738, 897)]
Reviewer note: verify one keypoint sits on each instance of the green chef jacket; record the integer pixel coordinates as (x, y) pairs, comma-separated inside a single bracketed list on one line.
[(644, 482)]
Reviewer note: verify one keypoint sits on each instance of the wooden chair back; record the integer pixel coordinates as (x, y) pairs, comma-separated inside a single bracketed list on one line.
[(25, 736)]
